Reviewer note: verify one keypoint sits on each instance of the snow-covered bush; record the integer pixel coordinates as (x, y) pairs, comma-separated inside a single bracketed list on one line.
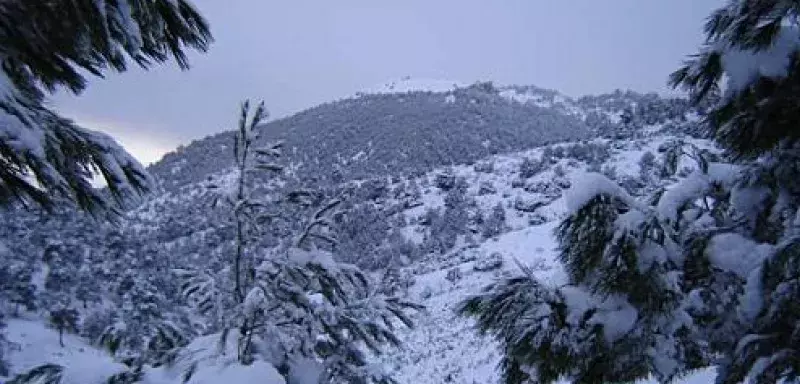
[(530, 167)]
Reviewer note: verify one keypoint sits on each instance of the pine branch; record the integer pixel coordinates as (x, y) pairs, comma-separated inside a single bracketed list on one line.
[(45, 158)]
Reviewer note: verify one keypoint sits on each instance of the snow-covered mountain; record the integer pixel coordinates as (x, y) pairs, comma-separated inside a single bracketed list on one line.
[(444, 189), (420, 127)]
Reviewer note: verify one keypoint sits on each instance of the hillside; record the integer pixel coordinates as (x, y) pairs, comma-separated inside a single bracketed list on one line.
[(431, 231), (381, 133)]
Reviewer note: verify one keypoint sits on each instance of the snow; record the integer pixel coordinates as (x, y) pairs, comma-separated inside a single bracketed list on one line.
[(735, 253), (254, 301), (305, 371), (257, 372), (302, 256), (742, 67), (588, 185), (14, 129), (527, 97), (83, 364), (444, 347), (407, 84), (213, 365), (748, 201), (753, 297), (694, 187)]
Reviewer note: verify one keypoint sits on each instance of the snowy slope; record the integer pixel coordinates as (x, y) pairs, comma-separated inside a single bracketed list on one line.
[(37, 344), (445, 348)]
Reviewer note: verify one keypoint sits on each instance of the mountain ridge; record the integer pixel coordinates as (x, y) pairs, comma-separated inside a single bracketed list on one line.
[(405, 132)]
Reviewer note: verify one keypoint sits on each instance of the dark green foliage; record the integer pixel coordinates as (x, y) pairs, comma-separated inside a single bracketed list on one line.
[(541, 334), (586, 234)]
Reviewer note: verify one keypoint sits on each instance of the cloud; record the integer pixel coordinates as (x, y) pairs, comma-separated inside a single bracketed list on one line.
[(147, 144)]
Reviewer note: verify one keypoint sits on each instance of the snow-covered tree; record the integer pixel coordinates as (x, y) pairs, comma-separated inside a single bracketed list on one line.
[(64, 320), (705, 273), (55, 44), (300, 311)]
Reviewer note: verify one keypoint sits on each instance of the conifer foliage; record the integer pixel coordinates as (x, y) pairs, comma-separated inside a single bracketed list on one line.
[(46, 45), (703, 273), (292, 305)]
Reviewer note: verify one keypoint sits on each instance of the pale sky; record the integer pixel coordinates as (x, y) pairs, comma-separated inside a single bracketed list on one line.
[(299, 53)]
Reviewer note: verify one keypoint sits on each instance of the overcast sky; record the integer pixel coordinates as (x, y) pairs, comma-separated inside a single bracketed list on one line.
[(299, 53)]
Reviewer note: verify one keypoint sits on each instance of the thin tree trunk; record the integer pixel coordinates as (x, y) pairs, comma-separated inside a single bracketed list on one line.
[(240, 197)]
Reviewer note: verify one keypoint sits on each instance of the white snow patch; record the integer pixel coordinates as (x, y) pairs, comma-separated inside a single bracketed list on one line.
[(320, 257), (407, 84), (743, 67), (214, 364), (83, 364), (587, 185), (694, 187), (735, 253)]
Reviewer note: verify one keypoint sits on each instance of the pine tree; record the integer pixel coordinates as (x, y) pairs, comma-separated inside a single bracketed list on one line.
[(299, 309), (48, 45), (705, 273)]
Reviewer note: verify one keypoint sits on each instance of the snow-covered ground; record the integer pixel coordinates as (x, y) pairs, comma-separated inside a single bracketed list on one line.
[(445, 348), (37, 344), (442, 348)]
